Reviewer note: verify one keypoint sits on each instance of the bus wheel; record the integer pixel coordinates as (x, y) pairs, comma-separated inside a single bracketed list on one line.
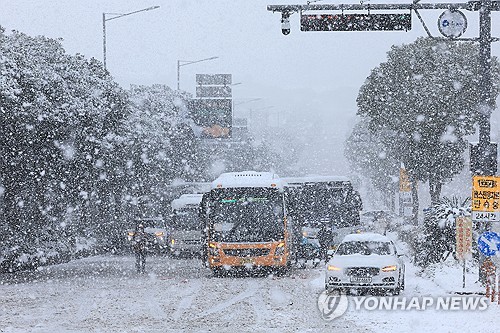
[(217, 272), (281, 271)]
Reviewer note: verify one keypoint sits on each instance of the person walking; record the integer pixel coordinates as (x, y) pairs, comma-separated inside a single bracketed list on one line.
[(325, 239), (139, 241)]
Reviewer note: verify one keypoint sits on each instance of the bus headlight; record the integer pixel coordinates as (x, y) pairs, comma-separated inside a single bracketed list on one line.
[(280, 249), (213, 250)]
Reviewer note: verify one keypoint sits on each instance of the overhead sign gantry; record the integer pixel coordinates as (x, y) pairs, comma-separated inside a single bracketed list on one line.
[(452, 23)]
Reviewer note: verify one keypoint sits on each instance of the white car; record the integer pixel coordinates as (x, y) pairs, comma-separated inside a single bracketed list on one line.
[(157, 240), (365, 261)]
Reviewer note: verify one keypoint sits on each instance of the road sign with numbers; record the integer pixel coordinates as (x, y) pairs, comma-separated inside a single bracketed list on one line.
[(486, 198)]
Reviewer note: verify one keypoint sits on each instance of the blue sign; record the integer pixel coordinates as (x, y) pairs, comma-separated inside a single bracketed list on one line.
[(489, 243)]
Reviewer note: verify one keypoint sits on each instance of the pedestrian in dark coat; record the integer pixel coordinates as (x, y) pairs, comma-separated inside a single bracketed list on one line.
[(139, 242), (325, 239)]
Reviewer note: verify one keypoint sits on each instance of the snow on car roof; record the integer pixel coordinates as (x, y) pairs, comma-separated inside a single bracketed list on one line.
[(366, 237), (247, 179), (186, 200)]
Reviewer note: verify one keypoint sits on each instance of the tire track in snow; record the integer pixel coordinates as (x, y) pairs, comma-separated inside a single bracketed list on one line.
[(187, 300), (252, 287), (260, 307)]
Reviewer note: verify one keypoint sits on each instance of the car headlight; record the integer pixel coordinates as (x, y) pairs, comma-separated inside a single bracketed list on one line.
[(333, 268), (280, 249), (213, 250), (390, 268)]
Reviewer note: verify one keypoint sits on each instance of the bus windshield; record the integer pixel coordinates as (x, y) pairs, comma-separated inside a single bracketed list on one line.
[(321, 201), (250, 217)]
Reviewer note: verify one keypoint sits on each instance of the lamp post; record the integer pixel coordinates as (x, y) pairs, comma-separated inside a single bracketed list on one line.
[(116, 15), (187, 62)]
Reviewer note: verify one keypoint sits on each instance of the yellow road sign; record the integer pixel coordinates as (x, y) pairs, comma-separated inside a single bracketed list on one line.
[(486, 194)]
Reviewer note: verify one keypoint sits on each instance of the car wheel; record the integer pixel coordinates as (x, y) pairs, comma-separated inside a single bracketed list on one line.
[(330, 291)]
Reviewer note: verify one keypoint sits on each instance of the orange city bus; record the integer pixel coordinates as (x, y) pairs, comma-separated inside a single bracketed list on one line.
[(246, 224)]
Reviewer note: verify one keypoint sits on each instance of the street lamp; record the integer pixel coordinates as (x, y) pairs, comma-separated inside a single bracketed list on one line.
[(187, 62), (116, 15)]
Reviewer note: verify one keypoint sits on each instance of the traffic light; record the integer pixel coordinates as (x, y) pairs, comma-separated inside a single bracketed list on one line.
[(355, 22)]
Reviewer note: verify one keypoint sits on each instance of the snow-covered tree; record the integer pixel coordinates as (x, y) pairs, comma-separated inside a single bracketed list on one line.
[(423, 102), (369, 157), (56, 111)]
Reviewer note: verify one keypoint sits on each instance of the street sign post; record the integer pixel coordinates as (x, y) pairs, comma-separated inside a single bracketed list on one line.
[(213, 115), (213, 79), (452, 23), (489, 243), (355, 22), (463, 237), (405, 198), (213, 108), (486, 198)]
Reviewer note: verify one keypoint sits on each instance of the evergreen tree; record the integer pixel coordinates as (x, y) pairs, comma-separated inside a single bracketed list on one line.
[(423, 102), (56, 111)]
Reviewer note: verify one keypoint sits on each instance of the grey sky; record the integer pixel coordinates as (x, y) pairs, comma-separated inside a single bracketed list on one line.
[(301, 79)]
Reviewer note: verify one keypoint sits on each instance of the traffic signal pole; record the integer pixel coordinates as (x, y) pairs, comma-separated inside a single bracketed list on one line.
[(485, 154), (485, 72)]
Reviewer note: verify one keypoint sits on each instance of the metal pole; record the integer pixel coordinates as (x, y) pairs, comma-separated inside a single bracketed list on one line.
[(104, 39), (178, 74), (485, 72), (486, 106), (186, 62), (463, 274), (113, 18)]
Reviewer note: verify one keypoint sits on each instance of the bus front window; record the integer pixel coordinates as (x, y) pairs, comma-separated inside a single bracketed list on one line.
[(247, 219)]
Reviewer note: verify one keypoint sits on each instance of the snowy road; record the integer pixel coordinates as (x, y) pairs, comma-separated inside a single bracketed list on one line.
[(104, 294)]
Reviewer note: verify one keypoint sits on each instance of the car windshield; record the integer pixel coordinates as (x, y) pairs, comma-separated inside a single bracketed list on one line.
[(365, 248), (249, 218), (187, 219), (149, 223)]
